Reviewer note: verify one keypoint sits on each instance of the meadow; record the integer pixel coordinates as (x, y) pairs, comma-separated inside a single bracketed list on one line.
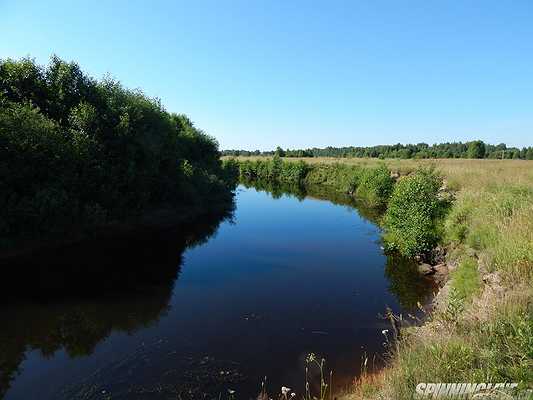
[(481, 328)]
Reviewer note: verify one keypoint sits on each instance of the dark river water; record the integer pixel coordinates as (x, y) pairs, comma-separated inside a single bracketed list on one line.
[(206, 307)]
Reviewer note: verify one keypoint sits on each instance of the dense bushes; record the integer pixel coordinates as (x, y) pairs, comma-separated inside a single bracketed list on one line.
[(341, 177), (74, 150), (375, 185), (274, 169), (413, 215)]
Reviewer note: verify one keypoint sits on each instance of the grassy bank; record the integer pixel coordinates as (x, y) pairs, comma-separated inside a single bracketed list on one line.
[(482, 327)]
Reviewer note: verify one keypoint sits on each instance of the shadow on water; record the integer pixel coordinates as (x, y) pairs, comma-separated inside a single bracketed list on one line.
[(405, 282), (73, 298)]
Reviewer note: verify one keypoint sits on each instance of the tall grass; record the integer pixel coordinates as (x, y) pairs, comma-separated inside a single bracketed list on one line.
[(497, 223), (466, 281)]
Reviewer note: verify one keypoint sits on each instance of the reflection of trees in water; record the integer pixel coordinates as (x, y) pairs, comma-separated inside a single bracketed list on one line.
[(275, 189), (319, 192), (74, 298), (405, 281)]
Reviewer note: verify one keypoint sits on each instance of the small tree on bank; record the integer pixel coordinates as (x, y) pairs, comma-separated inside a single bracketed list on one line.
[(411, 220)]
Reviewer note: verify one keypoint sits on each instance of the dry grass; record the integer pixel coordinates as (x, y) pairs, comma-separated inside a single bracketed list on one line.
[(460, 173)]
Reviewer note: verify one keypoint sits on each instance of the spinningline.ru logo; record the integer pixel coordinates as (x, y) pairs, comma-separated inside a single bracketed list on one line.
[(461, 390)]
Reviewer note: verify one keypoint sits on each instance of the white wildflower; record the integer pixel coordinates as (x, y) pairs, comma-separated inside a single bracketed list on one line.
[(285, 390)]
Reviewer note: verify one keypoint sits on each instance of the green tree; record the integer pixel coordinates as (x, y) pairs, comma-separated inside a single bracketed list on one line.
[(476, 149), (412, 216), (375, 186), (279, 152)]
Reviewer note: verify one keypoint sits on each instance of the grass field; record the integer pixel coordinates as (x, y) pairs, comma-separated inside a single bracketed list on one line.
[(483, 329)]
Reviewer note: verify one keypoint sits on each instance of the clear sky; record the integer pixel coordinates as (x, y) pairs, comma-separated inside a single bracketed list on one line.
[(257, 74)]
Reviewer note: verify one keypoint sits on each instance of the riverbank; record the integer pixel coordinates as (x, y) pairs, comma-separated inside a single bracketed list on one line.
[(481, 329), (482, 323)]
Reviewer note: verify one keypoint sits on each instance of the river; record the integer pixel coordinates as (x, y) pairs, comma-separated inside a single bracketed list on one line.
[(212, 306)]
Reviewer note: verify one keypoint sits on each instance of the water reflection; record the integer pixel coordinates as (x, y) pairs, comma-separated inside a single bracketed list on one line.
[(294, 274), (319, 192), (404, 280), (74, 298)]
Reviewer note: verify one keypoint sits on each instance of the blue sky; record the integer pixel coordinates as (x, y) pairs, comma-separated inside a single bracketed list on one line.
[(257, 74)]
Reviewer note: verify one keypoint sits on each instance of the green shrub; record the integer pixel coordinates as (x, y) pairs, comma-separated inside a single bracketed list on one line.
[(274, 167), (375, 186), (293, 172), (413, 215), (275, 170), (341, 177)]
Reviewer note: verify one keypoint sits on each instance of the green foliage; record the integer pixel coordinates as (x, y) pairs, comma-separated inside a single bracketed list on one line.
[(476, 149), (279, 152), (498, 350), (508, 339), (375, 186), (293, 172), (458, 221), (497, 222), (230, 172), (77, 151), (466, 281), (341, 177), (413, 214), (372, 185), (274, 169)]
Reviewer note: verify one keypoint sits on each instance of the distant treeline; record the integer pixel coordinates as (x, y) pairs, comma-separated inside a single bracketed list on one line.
[(474, 149), (75, 151)]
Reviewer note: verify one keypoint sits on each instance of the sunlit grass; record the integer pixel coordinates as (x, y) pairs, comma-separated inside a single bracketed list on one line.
[(466, 281)]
